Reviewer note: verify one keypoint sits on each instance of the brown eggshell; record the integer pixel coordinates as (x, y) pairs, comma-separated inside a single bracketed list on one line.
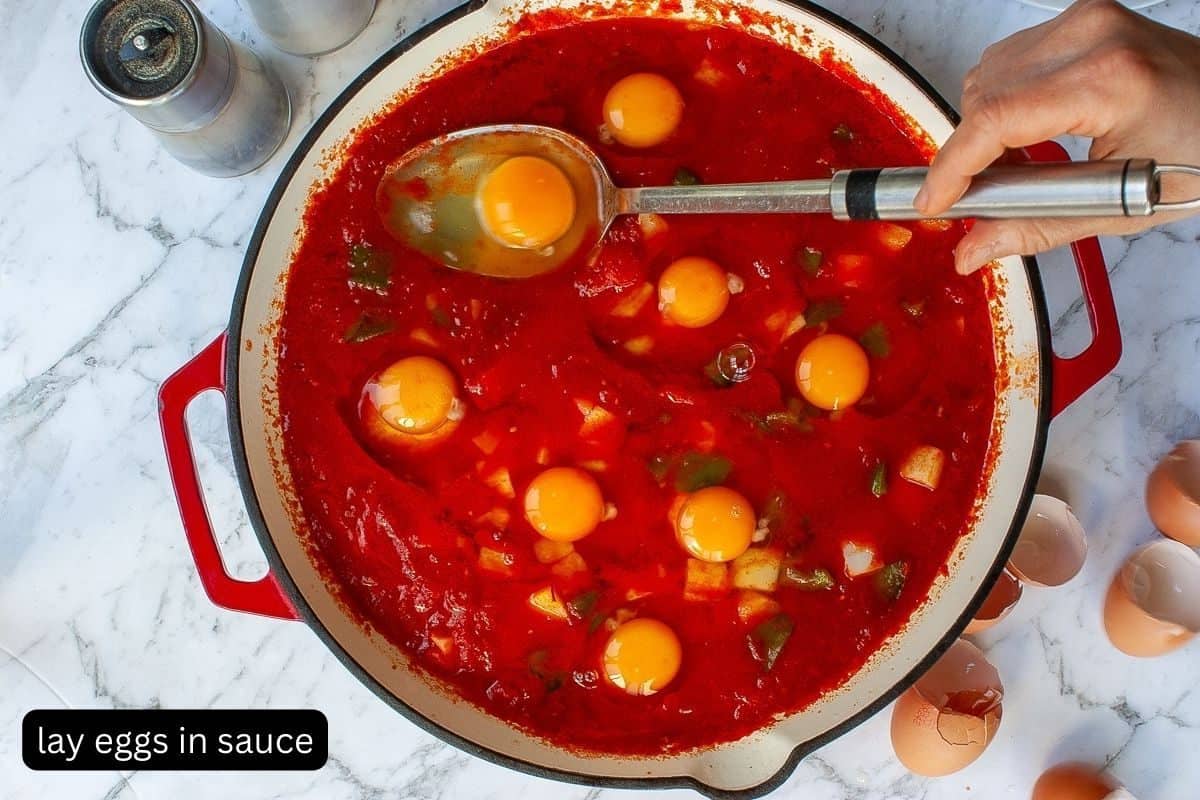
[(920, 746), (1052, 546), (1153, 604), (1073, 781), (948, 718), (1000, 600), (1173, 493)]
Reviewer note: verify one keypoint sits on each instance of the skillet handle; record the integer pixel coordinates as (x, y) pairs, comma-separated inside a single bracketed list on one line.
[(1074, 376), (204, 372)]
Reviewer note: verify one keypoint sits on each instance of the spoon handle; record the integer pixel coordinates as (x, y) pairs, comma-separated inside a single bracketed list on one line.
[(1082, 189)]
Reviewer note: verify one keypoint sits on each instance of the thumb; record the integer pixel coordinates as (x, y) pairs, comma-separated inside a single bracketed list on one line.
[(989, 240)]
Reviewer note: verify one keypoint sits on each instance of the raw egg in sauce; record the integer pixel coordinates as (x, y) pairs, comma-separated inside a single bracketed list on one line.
[(642, 656), (564, 504), (947, 719), (412, 401), (832, 372), (643, 109), (693, 292), (715, 524), (1173, 493), (1153, 604), (526, 202)]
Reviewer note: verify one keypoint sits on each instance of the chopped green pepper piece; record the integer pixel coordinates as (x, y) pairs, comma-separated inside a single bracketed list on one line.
[(367, 327), (890, 580), (685, 177), (807, 580), (795, 418), (659, 466), (712, 371), (441, 318), (700, 470), (879, 485), (811, 259), (768, 639), (842, 133), (914, 308), (875, 340), (582, 604), (595, 622), (370, 268), (822, 311), (551, 679), (774, 513)]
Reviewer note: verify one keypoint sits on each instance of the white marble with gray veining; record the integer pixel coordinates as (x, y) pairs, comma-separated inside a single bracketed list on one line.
[(117, 265)]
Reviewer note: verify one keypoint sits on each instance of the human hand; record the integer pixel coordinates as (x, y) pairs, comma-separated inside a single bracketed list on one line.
[(1097, 70)]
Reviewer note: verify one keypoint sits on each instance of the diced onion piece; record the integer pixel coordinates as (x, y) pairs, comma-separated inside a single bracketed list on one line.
[(499, 517), (496, 561), (443, 642), (859, 560), (610, 512), (651, 224), (594, 465), (938, 225), (595, 416), (757, 568), (487, 442), (640, 345), (894, 237), (709, 73), (547, 602), (851, 269), (501, 481), (735, 284), (634, 302), (705, 580), (619, 617), (476, 308), (776, 321), (708, 440), (571, 564), (752, 606), (795, 326), (424, 337), (924, 466), (636, 594), (543, 456), (547, 551)]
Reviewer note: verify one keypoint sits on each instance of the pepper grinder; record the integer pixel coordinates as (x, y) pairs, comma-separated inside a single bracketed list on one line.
[(311, 27)]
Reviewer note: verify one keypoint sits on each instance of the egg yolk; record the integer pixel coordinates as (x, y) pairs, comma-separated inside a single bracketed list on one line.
[(715, 524), (526, 202), (832, 372), (693, 292), (642, 656), (643, 109), (564, 504), (415, 395)]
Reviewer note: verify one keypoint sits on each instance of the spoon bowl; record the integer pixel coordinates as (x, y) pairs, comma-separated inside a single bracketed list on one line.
[(427, 198)]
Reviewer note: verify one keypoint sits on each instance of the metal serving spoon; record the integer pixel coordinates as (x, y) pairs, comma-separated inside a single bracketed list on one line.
[(427, 197)]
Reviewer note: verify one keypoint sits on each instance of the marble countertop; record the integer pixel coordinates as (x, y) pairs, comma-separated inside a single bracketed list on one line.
[(117, 265)]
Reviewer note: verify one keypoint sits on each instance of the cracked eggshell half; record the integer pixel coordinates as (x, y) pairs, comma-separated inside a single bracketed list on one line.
[(1000, 600), (1052, 546), (1173, 493), (949, 716), (1153, 604)]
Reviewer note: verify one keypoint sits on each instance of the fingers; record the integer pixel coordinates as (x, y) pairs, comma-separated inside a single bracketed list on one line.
[(989, 240)]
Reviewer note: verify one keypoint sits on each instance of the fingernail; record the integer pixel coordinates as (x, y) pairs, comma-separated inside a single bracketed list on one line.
[(921, 201), (969, 259)]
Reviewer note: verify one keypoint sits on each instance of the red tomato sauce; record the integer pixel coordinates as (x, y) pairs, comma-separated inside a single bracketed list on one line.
[(400, 531)]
